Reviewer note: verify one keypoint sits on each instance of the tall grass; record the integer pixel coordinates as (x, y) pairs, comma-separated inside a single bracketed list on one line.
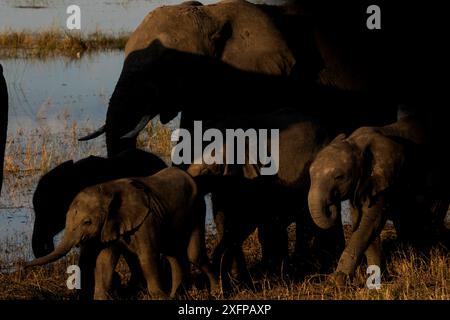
[(56, 42)]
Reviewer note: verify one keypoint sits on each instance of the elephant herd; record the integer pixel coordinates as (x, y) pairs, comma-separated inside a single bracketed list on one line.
[(332, 91)]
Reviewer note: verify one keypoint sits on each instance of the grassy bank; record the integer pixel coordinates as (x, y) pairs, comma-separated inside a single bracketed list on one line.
[(410, 274), (56, 42)]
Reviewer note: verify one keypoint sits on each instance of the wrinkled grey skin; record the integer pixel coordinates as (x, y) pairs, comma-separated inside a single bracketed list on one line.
[(146, 217), (247, 59), (51, 201), (3, 121), (382, 171), (182, 48), (272, 202), (56, 190)]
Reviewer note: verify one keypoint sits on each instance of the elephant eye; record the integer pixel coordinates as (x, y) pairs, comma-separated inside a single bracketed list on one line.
[(339, 177), (87, 222)]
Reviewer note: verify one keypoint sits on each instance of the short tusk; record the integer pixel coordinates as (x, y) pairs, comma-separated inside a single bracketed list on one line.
[(94, 134), (141, 125)]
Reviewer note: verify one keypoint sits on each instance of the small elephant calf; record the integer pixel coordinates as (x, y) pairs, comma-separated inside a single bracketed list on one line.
[(146, 217), (385, 173)]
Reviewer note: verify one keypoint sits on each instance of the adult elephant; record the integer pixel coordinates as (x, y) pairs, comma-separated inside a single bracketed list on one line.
[(58, 187), (3, 122), (245, 198), (225, 60)]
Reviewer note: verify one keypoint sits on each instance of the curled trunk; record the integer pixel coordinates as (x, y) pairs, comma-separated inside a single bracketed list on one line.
[(323, 213)]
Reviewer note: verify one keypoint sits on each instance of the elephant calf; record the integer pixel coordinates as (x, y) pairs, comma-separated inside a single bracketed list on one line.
[(146, 217), (383, 171)]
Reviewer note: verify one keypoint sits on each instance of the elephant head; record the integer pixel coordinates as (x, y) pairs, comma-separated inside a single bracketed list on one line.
[(359, 168), (227, 51), (102, 212), (58, 187), (51, 200)]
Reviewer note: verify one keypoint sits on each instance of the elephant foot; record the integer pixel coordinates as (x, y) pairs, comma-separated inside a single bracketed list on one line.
[(158, 296), (339, 279), (216, 293)]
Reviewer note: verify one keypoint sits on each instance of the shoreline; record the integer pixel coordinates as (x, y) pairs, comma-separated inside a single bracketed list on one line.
[(55, 43)]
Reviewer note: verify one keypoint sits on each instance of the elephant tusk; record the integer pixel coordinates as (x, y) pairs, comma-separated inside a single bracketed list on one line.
[(141, 125), (94, 134)]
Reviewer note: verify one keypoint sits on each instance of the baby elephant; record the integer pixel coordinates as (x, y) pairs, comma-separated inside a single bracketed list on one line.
[(382, 171), (146, 217)]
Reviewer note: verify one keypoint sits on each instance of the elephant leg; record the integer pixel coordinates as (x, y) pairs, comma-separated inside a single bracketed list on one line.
[(177, 275), (274, 243), (439, 209), (374, 253), (223, 258), (303, 257), (217, 255), (87, 262), (356, 216), (149, 265), (197, 256), (328, 246), (228, 257), (104, 271), (149, 257), (372, 221), (137, 278), (240, 265), (318, 249)]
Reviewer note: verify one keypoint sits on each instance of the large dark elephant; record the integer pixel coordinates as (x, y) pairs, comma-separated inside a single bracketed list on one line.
[(228, 59), (57, 189), (385, 172), (244, 198), (3, 122)]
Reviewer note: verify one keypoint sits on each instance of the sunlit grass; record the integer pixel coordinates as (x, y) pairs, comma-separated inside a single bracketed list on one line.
[(57, 42), (411, 276)]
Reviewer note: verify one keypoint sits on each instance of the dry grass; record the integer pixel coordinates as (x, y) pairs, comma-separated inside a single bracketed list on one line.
[(56, 42), (410, 275)]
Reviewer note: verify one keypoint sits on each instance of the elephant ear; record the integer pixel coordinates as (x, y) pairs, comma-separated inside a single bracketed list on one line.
[(339, 138), (382, 162), (127, 210), (219, 39)]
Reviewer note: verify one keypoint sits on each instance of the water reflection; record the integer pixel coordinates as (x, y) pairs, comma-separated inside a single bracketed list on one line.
[(42, 91)]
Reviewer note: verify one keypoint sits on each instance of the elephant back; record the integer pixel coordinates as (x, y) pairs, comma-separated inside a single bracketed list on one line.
[(236, 32)]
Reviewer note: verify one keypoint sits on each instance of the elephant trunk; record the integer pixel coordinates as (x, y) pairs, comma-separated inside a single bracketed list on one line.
[(323, 212), (126, 116), (65, 246)]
